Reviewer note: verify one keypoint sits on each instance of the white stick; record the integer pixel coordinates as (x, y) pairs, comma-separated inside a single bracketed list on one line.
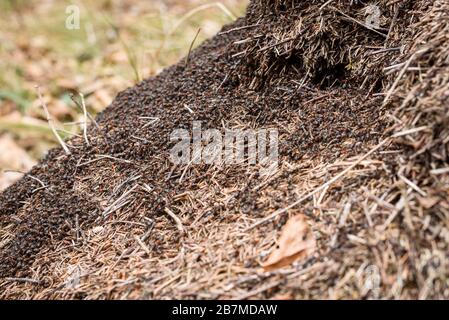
[(177, 220), (50, 123)]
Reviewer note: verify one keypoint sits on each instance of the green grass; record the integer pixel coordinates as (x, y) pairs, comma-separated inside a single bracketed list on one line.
[(114, 48)]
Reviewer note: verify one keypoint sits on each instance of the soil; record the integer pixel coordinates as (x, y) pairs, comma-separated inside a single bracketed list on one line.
[(323, 120)]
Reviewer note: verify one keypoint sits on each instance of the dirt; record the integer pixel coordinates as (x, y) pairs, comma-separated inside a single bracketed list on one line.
[(324, 116)]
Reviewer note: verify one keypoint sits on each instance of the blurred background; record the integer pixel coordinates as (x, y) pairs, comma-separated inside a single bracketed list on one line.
[(93, 47)]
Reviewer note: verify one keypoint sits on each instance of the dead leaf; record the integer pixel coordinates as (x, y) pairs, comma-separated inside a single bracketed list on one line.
[(59, 110), (296, 242), (428, 202), (12, 157), (103, 97), (118, 57), (67, 83)]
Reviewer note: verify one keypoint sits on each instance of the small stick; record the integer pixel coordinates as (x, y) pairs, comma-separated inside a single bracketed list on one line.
[(439, 171), (413, 185), (77, 224), (188, 108), (258, 291), (105, 156), (393, 22), (384, 50), (162, 286), (176, 218), (358, 22), (50, 122), (81, 108), (239, 28), (191, 47), (401, 74), (142, 245), (317, 98), (410, 131), (223, 82), (325, 5), (33, 281), (194, 158)]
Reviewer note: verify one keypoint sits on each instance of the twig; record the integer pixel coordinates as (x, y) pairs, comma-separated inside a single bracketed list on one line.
[(194, 158), (77, 225), (384, 50), (188, 108), (162, 286), (401, 74), (50, 122), (91, 118), (413, 185), (223, 82), (317, 98), (102, 157), (153, 121), (177, 220), (439, 171), (28, 280), (238, 29), (258, 291), (325, 5), (410, 131), (142, 245), (393, 22), (358, 22), (276, 44), (140, 240), (119, 203)]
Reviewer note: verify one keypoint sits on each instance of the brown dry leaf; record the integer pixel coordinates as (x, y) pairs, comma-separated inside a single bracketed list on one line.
[(34, 71), (67, 83), (119, 57), (103, 97), (12, 157), (59, 110), (7, 107), (296, 242), (428, 202)]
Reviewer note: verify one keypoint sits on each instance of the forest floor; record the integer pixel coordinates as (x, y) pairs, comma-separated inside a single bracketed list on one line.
[(353, 206)]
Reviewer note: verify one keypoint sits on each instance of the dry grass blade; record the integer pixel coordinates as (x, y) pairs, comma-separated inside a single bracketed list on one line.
[(50, 122), (191, 46), (176, 219)]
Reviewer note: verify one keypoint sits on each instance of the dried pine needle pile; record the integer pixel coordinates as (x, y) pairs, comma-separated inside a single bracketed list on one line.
[(363, 117)]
